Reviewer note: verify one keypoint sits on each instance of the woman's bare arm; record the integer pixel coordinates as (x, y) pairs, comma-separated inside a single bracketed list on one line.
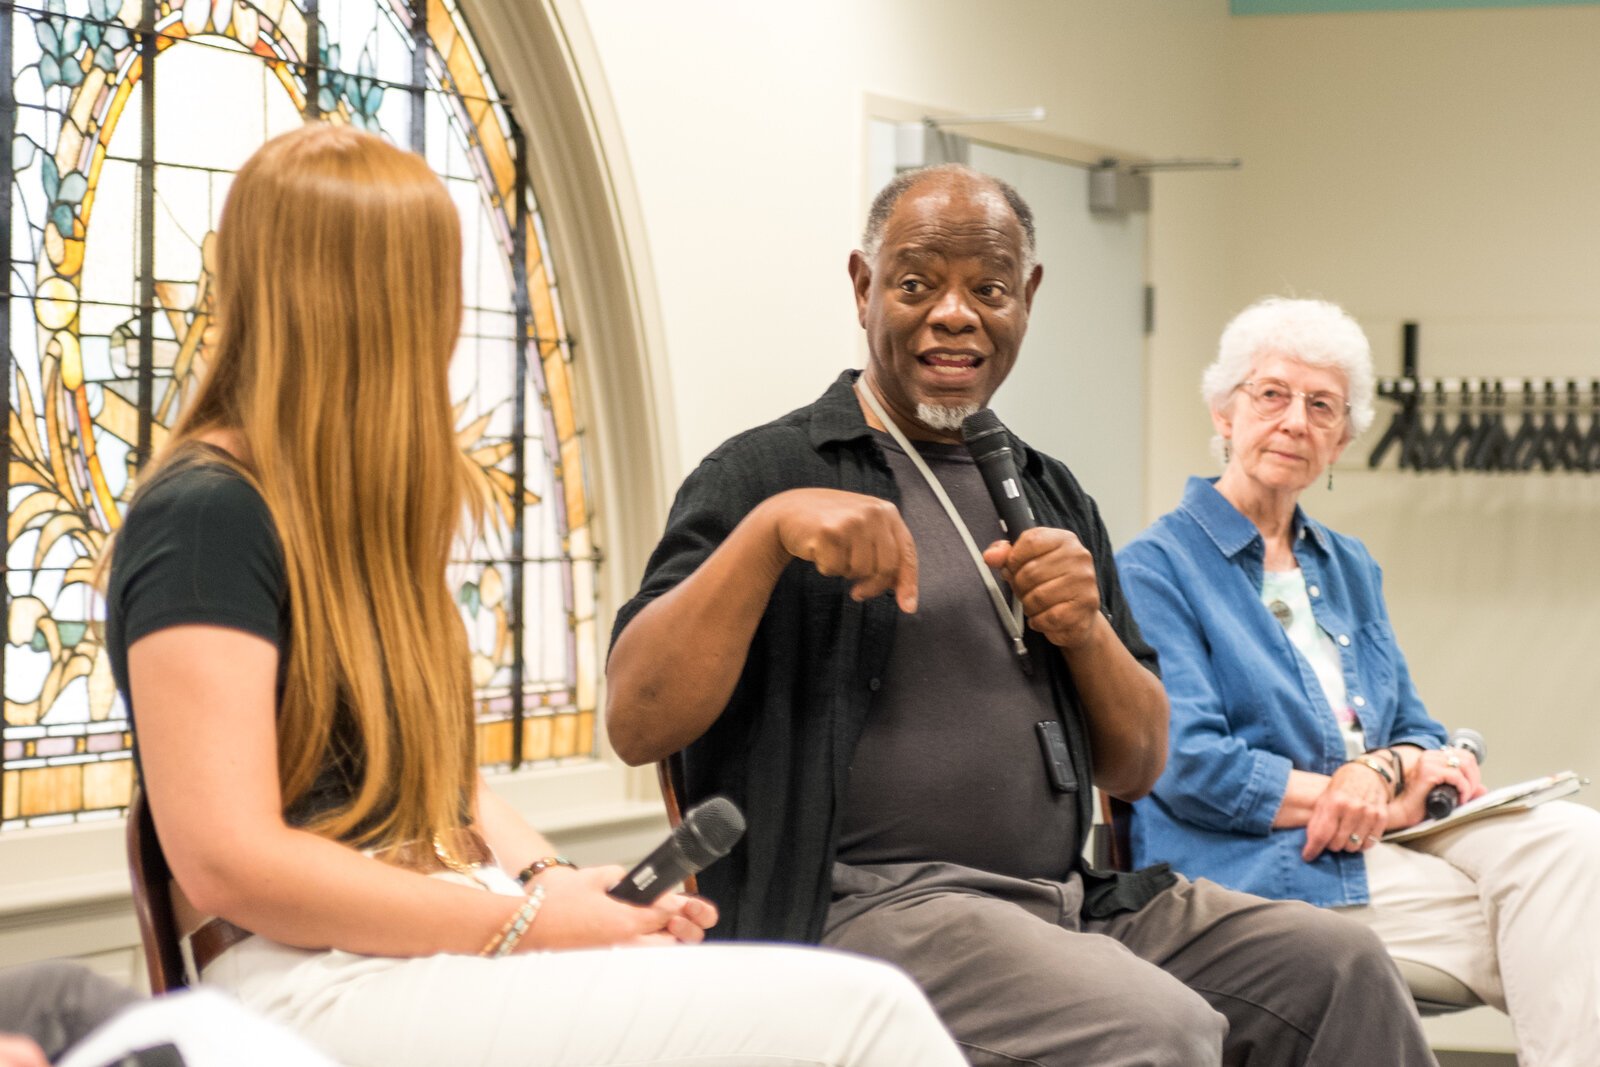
[(204, 700)]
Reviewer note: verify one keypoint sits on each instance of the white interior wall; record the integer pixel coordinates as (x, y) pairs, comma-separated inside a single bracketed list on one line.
[(1442, 167), (1435, 165), (743, 125)]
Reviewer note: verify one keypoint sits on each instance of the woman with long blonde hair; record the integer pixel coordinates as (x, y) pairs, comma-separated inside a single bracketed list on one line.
[(280, 626)]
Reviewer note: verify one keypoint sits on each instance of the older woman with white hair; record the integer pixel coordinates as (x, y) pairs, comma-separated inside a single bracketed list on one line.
[(1297, 735)]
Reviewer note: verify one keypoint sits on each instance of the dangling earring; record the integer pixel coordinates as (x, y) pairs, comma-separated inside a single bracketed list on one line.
[(1330, 478), (1227, 452)]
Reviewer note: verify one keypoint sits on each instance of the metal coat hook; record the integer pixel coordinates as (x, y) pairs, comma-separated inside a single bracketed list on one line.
[(1512, 424)]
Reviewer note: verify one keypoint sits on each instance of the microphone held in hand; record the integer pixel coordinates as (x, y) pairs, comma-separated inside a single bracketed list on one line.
[(990, 446), (1442, 800), (708, 832)]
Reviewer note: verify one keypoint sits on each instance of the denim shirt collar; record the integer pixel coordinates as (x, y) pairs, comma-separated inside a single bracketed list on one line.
[(836, 419), (1229, 530)]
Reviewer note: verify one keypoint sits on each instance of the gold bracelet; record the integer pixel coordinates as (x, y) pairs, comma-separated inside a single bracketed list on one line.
[(1379, 769), (503, 942)]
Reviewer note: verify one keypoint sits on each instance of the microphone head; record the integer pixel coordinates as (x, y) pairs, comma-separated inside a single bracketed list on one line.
[(983, 433), (1472, 741), (709, 831)]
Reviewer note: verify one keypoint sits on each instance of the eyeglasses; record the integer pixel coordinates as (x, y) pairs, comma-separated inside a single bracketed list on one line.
[(1272, 398)]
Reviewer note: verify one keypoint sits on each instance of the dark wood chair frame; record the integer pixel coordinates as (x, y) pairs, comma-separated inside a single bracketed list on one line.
[(152, 899), (669, 773)]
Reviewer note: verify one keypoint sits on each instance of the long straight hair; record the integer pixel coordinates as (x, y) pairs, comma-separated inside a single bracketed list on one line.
[(339, 301)]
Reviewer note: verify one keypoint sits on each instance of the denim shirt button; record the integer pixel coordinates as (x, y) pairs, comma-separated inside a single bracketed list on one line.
[(1359, 701), (1344, 640), (1313, 590)]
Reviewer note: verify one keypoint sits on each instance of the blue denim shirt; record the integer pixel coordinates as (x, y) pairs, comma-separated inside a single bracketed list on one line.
[(1246, 706)]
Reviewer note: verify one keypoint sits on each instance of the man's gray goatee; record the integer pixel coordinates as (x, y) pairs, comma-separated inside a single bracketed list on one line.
[(945, 418)]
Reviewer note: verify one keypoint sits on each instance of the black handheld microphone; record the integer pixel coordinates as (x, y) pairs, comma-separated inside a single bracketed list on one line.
[(1442, 800), (708, 832), (990, 447)]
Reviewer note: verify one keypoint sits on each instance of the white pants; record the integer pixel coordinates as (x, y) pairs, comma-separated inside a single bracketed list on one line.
[(1507, 906), (724, 1005)]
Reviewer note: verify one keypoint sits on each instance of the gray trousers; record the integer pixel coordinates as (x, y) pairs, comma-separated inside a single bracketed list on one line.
[(57, 1003), (1200, 975)]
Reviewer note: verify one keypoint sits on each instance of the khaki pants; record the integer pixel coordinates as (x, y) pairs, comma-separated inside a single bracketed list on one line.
[(1200, 976), (1508, 906)]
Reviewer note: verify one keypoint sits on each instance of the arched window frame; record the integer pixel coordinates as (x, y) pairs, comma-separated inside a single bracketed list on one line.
[(63, 891)]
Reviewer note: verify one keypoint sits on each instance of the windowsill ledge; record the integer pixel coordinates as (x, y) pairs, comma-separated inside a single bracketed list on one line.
[(63, 873)]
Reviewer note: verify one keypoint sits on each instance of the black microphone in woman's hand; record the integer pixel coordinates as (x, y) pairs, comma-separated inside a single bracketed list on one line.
[(990, 446), (708, 832), (1442, 799)]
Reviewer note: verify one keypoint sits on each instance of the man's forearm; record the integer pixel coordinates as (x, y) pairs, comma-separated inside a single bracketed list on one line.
[(674, 666), (1126, 710)]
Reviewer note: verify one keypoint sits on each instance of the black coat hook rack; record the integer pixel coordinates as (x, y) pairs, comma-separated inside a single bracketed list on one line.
[(1514, 425)]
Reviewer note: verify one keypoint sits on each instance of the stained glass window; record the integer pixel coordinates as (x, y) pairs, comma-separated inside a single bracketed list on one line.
[(126, 120)]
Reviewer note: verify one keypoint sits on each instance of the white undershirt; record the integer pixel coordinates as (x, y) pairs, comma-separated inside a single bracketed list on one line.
[(1284, 594)]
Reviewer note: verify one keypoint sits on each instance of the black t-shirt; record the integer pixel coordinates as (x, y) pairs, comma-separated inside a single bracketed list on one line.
[(782, 747), (949, 766), (198, 546)]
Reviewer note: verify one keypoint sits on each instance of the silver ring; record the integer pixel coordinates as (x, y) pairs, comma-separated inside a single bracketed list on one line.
[(1453, 762), (1355, 839)]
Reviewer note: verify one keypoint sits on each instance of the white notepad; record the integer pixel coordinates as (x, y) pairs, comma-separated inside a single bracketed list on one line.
[(1507, 798)]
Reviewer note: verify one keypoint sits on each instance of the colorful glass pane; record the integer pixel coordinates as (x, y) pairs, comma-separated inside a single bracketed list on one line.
[(115, 181)]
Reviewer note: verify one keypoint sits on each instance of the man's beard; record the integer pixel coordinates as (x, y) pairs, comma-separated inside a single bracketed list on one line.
[(946, 418)]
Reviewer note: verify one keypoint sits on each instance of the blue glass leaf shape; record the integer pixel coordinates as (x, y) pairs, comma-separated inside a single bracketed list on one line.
[(51, 177), (73, 186), (326, 101), (372, 100), (61, 215), (470, 597), (105, 58), (365, 67), (118, 38), (49, 40), (71, 73), (49, 71), (91, 33), (102, 10), (71, 37), (56, 7)]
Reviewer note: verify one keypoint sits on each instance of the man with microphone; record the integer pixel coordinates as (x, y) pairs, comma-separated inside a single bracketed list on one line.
[(903, 696)]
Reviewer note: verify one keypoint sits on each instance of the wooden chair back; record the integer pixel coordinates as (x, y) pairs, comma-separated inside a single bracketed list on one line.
[(152, 899), (669, 773), (1114, 817)]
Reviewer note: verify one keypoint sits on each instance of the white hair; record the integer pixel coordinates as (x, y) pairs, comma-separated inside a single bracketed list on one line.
[(1314, 332), (945, 418)]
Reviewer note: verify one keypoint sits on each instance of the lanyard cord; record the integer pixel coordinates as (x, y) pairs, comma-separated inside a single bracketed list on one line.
[(1010, 616)]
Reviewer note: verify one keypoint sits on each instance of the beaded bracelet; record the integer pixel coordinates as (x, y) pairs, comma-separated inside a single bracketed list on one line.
[(539, 866), (503, 942)]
